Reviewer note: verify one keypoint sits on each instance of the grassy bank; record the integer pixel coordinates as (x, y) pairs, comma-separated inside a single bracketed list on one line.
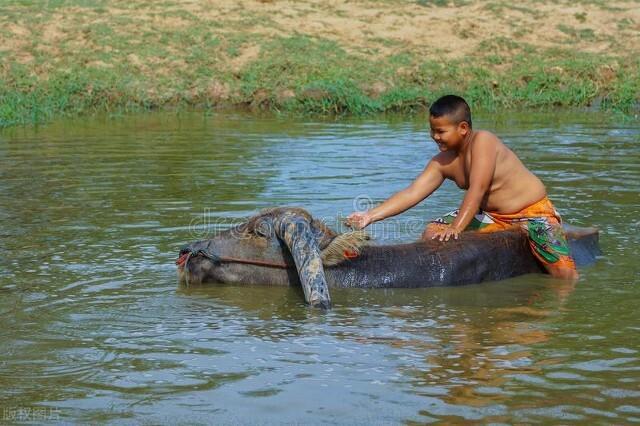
[(82, 56)]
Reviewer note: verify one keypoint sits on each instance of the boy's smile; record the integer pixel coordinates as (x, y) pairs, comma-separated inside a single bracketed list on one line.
[(447, 134)]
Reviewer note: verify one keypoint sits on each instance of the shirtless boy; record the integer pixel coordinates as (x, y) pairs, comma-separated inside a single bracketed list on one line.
[(501, 191)]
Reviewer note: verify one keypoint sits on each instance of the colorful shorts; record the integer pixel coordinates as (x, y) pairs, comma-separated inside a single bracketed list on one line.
[(540, 220)]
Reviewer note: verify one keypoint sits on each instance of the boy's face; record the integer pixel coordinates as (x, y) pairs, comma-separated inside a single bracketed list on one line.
[(446, 133)]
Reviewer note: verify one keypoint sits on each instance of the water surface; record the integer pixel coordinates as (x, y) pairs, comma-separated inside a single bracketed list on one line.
[(96, 329)]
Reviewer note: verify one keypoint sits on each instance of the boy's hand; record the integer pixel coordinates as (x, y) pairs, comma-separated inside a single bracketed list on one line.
[(359, 220), (446, 234)]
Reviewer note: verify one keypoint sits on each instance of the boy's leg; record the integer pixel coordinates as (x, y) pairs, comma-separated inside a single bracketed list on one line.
[(562, 272), (549, 244)]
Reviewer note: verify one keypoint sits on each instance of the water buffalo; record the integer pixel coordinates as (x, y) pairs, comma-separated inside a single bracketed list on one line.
[(287, 246)]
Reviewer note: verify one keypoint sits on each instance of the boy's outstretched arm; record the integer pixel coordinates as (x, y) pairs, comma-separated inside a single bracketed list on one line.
[(428, 181), (483, 165)]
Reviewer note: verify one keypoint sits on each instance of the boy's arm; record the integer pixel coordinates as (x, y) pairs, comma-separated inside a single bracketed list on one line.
[(427, 182), (483, 165)]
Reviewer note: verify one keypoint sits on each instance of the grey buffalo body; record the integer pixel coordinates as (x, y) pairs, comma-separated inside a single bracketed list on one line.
[(284, 246)]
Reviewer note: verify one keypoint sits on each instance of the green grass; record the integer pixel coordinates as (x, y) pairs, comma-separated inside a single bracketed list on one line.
[(532, 81), (574, 33), (327, 80), (128, 66)]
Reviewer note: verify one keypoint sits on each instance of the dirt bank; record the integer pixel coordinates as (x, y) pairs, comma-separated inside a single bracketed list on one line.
[(320, 56)]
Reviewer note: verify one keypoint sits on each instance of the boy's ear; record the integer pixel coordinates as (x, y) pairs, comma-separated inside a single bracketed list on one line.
[(463, 126)]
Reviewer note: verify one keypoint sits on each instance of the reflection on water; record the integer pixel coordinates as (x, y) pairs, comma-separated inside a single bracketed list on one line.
[(96, 329)]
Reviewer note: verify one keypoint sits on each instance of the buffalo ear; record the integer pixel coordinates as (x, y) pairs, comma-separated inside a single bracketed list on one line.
[(295, 230)]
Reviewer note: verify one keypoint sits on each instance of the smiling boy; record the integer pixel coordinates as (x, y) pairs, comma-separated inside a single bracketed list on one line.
[(501, 191)]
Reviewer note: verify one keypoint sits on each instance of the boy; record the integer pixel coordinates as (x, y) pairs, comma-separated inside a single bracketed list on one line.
[(501, 191)]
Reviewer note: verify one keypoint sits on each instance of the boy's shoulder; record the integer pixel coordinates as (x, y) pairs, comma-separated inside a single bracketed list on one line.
[(486, 135), (485, 141)]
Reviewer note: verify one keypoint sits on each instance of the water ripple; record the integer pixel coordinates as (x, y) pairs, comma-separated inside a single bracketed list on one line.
[(96, 211)]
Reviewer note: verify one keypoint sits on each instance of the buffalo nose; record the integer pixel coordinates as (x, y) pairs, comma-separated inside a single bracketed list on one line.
[(182, 259), (183, 256)]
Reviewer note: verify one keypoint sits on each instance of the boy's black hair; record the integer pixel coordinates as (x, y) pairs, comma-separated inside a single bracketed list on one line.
[(452, 106)]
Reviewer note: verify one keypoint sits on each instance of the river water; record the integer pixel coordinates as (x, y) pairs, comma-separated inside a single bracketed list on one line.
[(96, 329)]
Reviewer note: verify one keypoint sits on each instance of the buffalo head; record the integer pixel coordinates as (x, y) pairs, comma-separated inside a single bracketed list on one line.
[(278, 245)]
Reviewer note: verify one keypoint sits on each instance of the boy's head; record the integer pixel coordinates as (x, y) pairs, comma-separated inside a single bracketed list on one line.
[(450, 120)]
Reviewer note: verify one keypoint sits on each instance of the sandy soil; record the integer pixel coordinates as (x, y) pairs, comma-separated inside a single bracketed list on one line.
[(452, 31), (377, 28)]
